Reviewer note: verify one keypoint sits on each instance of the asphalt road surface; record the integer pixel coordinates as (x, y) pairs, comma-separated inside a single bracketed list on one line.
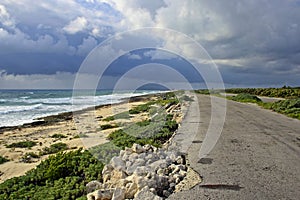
[(256, 157)]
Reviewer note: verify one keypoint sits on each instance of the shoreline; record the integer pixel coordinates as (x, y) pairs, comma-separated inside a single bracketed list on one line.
[(64, 125), (48, 120)]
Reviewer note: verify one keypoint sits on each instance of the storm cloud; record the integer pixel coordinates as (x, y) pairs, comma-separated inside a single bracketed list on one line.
[(254, 43)]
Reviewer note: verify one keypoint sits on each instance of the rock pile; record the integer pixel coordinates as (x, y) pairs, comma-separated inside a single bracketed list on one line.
[(139, 173)]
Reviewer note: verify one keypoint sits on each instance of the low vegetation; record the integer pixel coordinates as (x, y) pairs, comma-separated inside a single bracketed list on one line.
[(61, 176), (59, 136), (246, 98), (108, 126), (142, 108), (3, 160), (54, 148), (81, 135), (28, 157), (122, 115), (144, 122), (289, 107), (23, 144), (105, 152), (127, 138), (284, 92)]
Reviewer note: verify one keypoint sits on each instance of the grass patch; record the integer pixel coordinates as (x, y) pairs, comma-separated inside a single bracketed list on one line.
[(105, 152), (27, 158), (55, 148), (59, 136), (284, 92), (61, 176), (142, 108), (144, 122), (154, 134), (108, 126), (3, 160), (109, 118), (81, 135), (289, 107), (245, 98), (23, 144), (122, 115), (186, 98)]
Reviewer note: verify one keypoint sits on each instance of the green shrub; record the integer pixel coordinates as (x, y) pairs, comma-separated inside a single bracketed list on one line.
[(58, 136), (108, 126), (23, 144), (27, 158), (3, 160), (109, 118), (284, 92), (141, 108), (144, 123), (246, 98), (55, 148), (186, 98), (105, 152), (289, 107), (81, 135), (61, 176)]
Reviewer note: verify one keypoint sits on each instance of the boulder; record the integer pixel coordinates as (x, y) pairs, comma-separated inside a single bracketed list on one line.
[(101, 195), (93, 185), (118, 163), (119, 194), (146, 194)]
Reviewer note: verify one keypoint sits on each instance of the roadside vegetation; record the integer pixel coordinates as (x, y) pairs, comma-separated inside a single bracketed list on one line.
[(284, 92), (245, 98), (289, 106)]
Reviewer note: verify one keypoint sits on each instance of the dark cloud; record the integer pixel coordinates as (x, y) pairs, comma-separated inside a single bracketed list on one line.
[(252, 42)]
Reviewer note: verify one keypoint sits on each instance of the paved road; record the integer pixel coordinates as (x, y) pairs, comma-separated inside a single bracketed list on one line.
[(256, 157)]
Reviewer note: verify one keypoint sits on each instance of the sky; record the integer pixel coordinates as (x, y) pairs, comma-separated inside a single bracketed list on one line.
[(254, 43)]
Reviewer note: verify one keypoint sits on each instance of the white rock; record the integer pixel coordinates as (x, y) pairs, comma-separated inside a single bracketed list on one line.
[(145, 194), (158, 164), (131, 189), (141, 171), (107, 169), (119, 194), (93, 185), (118, 163), (100, 195), (141, 182), (133, 157), (137, 148)]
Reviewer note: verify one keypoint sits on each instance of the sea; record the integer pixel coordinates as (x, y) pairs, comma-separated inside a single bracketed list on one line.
[(18, 107)]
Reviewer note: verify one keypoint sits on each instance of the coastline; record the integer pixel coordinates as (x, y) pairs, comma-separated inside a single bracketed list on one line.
[(42, 131)]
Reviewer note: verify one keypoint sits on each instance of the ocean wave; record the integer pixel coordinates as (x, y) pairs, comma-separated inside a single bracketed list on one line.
[(15, 109)]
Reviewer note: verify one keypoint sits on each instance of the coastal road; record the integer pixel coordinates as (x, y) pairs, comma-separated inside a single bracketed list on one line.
[(256, 157)]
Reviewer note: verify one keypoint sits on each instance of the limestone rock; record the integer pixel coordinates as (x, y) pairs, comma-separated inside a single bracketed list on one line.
[(93, 185), (101, 195), (146, 194), (119, 194), (140, 172)]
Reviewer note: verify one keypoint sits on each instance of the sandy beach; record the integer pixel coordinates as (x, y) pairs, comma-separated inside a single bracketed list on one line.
[(79, 130)]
